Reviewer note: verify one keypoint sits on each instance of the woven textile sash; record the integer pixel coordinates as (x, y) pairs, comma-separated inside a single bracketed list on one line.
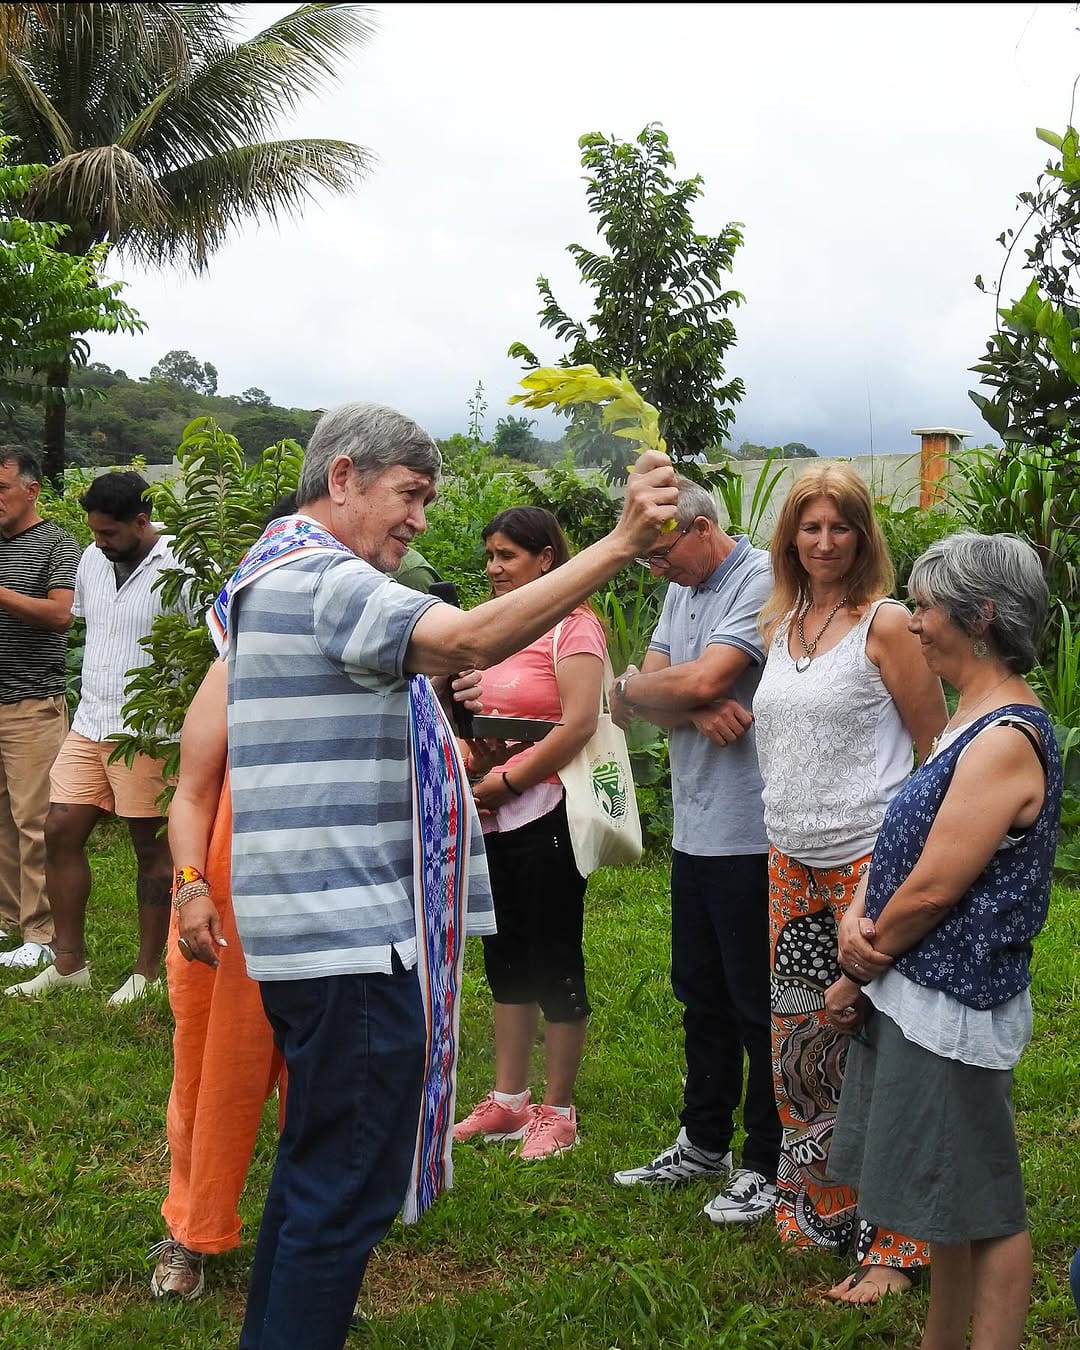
[(441, 834), (444, 820), (281, 542)]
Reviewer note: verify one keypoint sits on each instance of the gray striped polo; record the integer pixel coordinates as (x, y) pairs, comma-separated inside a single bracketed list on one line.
[(42, 558), (322, 864)]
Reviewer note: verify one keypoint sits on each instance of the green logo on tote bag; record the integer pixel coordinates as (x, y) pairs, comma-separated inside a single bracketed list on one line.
[(609, 787)]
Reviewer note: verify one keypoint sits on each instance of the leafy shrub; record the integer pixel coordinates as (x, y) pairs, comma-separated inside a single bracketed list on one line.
[(470, 493), (1034, 493), (213, 514), (909, 532)]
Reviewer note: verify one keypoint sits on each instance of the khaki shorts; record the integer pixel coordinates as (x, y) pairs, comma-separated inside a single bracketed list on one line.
[(83, 776)]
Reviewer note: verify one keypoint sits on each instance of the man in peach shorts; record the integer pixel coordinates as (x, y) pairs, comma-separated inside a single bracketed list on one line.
[(115, 592)]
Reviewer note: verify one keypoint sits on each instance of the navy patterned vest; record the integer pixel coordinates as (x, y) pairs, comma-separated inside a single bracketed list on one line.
[(981, 951)]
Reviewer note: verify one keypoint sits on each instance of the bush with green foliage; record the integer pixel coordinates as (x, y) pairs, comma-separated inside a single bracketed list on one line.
[(212, 515), (1030, 491), (909, 531)]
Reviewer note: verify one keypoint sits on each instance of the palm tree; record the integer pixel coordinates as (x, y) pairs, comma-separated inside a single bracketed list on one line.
[(153, 119)]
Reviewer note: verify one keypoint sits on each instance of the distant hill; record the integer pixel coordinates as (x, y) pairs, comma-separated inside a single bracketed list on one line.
[(147, 417)]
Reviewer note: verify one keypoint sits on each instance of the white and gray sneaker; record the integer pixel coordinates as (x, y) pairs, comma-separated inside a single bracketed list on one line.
[(747, 1197), (26, 957), (681, 1163)]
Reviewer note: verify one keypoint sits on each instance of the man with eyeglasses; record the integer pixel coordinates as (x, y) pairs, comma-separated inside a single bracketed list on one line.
[(698, 679)]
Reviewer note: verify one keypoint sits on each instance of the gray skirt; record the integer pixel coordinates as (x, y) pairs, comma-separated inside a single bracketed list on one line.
[(928, 1143)]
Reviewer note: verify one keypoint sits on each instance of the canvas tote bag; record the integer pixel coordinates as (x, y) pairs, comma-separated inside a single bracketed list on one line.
[(601, 805)]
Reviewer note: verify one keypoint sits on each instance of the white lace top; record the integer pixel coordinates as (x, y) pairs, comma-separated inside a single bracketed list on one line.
[(832, 748)]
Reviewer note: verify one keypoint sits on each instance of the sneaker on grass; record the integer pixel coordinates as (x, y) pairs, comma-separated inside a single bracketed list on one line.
[(681, 1163), (179, 1271), (26, 957), (494, 1120), (747, 1197), (549, 1132)]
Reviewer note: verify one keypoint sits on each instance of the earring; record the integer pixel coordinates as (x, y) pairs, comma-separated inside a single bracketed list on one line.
[(980, 649)]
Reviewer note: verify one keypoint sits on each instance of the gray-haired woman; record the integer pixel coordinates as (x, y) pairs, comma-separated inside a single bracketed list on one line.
[(938, 948)]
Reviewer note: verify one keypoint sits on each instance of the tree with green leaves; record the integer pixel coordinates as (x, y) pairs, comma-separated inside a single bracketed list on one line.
[(184, 370), (153, 121), (514, 438), (49, 299), (1031, 367), (264, 426), (660, 296)]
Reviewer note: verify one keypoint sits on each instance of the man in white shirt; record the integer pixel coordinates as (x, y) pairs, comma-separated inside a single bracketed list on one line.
[(115, 592)]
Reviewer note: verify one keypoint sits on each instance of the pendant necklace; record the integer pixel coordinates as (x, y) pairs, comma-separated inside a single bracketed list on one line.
[(809, 648), (967, 714)]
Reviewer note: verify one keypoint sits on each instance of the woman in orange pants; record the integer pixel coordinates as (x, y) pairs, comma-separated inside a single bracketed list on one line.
[(225, 1062)]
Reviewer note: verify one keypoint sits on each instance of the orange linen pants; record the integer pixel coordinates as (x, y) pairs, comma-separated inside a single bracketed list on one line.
[(225, 1066), (805, 906)]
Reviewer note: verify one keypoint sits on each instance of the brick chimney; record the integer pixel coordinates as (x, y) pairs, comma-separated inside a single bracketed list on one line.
[(938, 443)]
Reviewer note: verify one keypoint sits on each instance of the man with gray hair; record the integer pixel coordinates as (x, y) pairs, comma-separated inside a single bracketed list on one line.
[(698, 678), (353, 828), (38, 561)]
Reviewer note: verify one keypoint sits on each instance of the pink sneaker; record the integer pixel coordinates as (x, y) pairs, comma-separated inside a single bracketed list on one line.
[(494, 1121), (548, 1133)]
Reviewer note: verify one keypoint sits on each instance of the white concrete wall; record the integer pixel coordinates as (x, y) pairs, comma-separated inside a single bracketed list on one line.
[(895, 477)]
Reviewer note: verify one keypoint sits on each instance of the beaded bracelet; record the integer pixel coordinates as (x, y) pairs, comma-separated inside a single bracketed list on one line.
[(189, 891)]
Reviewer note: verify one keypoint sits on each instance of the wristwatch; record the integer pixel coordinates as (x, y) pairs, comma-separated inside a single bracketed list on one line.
[(619, 687)]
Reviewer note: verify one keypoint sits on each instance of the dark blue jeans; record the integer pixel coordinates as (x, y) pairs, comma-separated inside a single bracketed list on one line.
[(720, 974), (354, 1048)]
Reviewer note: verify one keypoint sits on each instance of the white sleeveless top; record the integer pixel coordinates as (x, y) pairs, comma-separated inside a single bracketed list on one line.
[(832, 748)]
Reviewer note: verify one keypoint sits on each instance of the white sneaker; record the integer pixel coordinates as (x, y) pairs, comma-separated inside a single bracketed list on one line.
[(681, 1163), (26, 957), (747, 1197), (49, 980), (135, 987)]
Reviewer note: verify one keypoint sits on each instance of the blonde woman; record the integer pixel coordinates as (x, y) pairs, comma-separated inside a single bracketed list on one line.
[(844, 694)]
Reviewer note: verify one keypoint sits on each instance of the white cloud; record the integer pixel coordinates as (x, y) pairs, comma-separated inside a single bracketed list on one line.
[(872, 151)]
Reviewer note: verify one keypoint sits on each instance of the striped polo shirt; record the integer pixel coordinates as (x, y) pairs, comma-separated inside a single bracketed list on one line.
[(322, 860), (38, 560)]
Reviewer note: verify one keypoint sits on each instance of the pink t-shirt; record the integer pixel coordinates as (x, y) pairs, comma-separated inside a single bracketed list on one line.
[(524, 685)]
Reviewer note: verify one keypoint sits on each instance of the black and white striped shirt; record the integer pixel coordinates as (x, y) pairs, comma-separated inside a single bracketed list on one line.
[(41, 559)]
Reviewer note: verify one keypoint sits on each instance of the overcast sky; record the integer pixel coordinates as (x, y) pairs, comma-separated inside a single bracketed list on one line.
[(873, 153)]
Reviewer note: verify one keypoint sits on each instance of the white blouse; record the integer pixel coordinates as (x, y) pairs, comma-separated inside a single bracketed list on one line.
[(832, 747)]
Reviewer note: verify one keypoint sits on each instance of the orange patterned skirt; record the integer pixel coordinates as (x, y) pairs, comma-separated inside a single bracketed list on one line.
[(805, 906)]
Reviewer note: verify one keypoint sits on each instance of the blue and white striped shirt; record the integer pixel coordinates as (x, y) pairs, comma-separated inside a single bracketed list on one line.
[(322, 867)]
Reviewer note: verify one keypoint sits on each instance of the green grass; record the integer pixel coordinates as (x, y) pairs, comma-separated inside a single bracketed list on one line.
[(515, 1256)]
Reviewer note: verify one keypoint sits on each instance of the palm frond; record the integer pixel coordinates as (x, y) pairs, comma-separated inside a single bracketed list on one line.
[(208, 199), (29, 114), (106, 187), (237, 92), (99, 63)]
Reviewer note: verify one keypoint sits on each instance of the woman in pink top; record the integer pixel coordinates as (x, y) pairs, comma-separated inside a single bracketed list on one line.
[(534, 964)]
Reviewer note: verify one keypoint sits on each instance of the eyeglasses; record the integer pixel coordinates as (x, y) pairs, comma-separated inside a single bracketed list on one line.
[(660, 559)]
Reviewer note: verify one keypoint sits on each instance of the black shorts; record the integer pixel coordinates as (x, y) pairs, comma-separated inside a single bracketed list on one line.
[(540, 910)]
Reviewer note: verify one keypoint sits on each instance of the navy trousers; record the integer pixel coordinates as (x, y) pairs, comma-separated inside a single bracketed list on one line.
[(720, 974), (354, 1048)]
